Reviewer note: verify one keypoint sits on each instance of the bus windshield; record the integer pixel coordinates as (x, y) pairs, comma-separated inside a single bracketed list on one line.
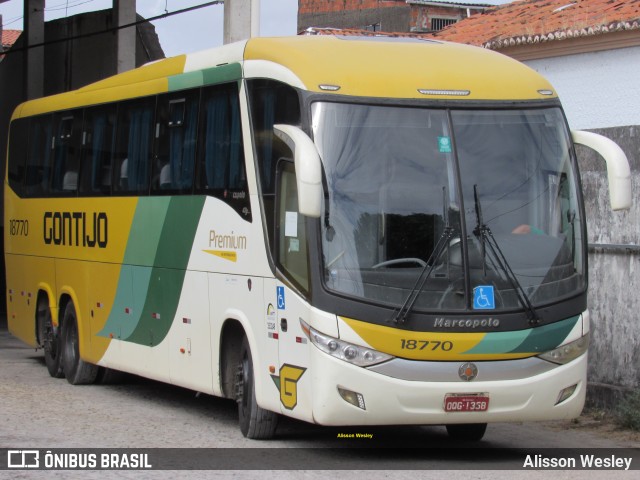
[(498, 187)]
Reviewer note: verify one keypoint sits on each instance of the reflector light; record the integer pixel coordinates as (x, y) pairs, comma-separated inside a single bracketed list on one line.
[(545, 92), (566, 393), (455, 93), (329, 88), (354, 398)]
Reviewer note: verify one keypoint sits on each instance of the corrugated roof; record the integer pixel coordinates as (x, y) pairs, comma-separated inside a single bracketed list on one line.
[(9, 37), (536, 21)]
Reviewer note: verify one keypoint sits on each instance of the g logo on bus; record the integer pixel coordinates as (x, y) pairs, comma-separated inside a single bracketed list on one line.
[(287, 383), (468, 371)]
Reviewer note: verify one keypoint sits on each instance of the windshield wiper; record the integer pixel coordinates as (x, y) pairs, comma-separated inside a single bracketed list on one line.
[(483, 232), (401, 315)]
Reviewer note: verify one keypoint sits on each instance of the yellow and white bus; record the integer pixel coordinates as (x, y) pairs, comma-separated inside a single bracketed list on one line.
[(347, 231)]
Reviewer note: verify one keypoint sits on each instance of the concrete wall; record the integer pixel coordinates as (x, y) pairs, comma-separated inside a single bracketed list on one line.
[(599, 92), (614, 274)]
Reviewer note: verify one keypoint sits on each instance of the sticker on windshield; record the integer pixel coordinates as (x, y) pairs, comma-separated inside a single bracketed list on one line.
[(483, 298), (444, 144)]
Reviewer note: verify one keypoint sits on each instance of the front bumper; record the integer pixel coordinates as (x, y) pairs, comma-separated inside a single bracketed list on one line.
[(394, 401)]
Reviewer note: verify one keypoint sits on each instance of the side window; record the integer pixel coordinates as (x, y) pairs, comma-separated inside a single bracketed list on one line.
[(292, 239), (66, 152), (221, 169), (271, 103), (132, 156), (98, 138), (38, 171), (175, 143), (17, 154)]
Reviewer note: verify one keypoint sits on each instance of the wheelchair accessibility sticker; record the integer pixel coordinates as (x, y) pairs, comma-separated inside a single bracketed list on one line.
[(483, 298), (280, 292)]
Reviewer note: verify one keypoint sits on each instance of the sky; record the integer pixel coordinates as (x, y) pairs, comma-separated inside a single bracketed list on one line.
[(183, 33)]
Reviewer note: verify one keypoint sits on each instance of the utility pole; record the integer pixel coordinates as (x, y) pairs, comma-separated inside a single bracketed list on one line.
[(241, 20), (124, 12), (34, 57)]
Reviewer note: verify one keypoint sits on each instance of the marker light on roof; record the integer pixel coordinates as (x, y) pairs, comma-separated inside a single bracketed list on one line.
[(457, 93), (545, 92), (329, 88)]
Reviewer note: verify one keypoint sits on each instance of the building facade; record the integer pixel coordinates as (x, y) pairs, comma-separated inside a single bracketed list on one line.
[(419, 16)]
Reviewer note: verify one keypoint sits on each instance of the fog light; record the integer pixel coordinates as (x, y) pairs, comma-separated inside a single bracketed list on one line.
[(354, 398), (566, 393)]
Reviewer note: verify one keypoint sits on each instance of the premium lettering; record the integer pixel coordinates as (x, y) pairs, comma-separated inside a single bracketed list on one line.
[(76, 229), (230, 242)]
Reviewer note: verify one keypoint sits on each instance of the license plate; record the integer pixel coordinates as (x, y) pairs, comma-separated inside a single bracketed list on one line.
[(467, 402)]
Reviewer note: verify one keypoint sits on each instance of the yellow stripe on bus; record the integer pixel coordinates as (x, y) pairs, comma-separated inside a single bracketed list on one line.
[(444, 346)]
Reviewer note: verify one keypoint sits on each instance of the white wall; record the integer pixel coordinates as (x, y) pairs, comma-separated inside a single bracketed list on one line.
[(597, 90)]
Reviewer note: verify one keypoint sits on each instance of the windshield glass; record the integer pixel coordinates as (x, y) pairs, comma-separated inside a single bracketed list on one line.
[(520, 166), (392, 196)]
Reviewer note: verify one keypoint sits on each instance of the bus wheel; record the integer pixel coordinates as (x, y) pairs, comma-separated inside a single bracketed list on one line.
[(470, 432), (49, 337), (77, 371), (255, 422)]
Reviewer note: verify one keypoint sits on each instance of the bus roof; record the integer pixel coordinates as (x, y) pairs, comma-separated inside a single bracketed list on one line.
[(382, 67), (393, 67)]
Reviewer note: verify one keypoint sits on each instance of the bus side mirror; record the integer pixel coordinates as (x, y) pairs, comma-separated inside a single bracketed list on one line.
[(308, 168), (618, 171)]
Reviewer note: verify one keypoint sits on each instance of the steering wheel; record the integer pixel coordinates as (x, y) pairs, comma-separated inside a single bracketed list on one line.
[(397, 261)]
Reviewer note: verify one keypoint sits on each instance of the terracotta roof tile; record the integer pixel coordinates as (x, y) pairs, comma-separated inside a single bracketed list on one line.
[(536, 21), (9, 37)]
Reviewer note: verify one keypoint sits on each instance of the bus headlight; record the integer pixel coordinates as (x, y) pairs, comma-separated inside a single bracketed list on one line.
[(361, 356), (565, 353)]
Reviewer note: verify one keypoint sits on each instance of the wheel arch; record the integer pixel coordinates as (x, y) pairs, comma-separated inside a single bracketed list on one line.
[(45, 291), (67, 295), (234, 327)]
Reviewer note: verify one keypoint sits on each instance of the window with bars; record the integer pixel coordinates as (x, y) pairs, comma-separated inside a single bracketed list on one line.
[(439, 23)]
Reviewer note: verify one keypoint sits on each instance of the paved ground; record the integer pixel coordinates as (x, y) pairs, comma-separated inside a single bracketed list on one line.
[(42, 412)]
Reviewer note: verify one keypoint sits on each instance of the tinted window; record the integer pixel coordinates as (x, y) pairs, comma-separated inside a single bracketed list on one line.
[(98, 139), (132, 156), (39, 156), (221, 170), (176, 141), (66, 152), (17, 154)]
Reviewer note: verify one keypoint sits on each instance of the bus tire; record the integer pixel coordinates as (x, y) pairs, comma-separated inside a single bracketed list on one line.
[(77, 371), (49, 337), (469, 432), (255, 422)]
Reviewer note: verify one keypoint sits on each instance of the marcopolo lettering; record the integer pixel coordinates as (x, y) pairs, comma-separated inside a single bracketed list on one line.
[(76, 229), (466, 322)]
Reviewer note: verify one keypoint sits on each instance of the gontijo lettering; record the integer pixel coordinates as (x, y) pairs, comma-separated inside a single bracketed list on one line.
[(76, 229)]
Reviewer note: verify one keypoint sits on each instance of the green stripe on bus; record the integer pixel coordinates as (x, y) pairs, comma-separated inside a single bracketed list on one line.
[(543, 339), (209, 76), (185, 80), (146, 229), (172, 257), (539, 339), (222, 74)]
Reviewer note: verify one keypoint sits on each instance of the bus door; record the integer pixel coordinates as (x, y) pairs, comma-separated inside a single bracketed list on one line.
[(291, 376)]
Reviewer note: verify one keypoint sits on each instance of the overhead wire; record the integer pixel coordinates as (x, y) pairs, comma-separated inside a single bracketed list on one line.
[(112, 29)]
